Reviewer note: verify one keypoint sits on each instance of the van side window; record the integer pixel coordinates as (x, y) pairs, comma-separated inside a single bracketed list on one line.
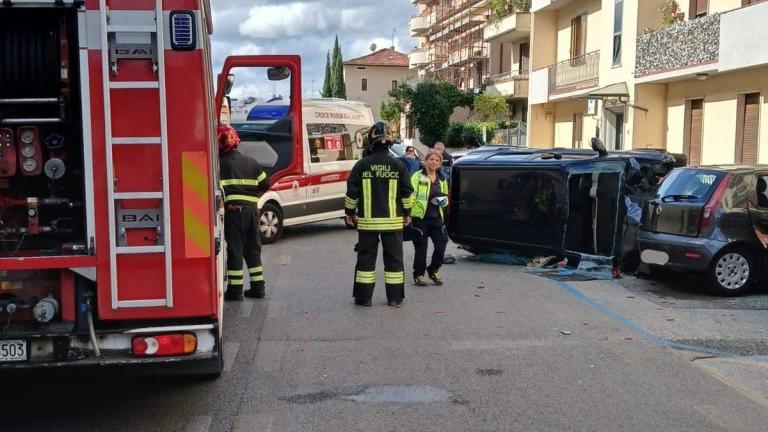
[(762, 191), (332, 142)]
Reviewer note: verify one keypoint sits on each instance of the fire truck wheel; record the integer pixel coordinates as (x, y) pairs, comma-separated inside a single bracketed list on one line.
[(270, 223)]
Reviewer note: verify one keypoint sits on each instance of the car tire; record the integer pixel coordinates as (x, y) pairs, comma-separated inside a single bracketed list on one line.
[(732, 272), (270, 223)]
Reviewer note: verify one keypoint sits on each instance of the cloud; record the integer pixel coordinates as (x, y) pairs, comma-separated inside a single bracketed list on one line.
[(298, 19)]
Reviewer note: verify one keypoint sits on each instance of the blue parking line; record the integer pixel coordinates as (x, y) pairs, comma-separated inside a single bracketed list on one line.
[(632, 325)]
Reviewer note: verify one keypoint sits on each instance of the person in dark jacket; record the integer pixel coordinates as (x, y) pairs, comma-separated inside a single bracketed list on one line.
[(430, 197), (378, 203), (445, 168), (410, 160), (243, 182)]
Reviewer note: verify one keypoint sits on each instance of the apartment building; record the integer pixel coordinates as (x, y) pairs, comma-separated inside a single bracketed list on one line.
[(370, 78), (707, 77), (688, 76)]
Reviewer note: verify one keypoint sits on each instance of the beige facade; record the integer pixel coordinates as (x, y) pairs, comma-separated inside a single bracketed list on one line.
[(371, 84), (709, 71)]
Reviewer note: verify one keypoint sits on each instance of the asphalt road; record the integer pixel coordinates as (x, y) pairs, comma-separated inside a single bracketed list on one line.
[(494, 349)]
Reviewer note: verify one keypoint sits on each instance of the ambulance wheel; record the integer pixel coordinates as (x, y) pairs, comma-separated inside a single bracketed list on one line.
[(270, 223)]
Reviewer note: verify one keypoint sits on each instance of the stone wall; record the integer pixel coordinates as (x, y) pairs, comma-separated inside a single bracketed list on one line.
[(680, 45)]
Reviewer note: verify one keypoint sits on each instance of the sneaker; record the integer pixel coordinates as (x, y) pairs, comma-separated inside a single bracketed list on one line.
[(436, 278), (419, 280)]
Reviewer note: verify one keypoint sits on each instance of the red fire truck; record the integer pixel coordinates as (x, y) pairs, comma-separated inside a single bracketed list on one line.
[(111, 245)]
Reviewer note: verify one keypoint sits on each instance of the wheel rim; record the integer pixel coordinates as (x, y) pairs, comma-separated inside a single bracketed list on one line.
[(270, 224), (732, 271)]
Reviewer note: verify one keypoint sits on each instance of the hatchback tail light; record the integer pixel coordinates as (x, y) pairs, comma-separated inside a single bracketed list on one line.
[(708, 214)]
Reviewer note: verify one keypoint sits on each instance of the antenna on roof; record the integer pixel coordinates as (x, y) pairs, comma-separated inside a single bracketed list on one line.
[(393, 39), (373, 47)]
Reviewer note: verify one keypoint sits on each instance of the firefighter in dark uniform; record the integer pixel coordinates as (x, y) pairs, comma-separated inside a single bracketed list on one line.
[(378, 203), (243, 182)]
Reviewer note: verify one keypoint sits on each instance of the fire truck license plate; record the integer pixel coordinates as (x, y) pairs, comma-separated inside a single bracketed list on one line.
[(13, 350)]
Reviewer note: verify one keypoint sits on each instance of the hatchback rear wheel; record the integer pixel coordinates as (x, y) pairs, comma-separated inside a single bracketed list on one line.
[(732, 272)]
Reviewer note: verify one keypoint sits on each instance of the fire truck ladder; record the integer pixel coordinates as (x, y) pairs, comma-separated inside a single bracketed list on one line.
[(147, 29)]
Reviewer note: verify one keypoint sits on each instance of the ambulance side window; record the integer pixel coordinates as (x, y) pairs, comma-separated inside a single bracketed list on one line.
[(332, 142)]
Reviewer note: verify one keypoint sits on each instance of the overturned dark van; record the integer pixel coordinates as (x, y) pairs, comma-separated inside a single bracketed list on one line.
[(566, 202)]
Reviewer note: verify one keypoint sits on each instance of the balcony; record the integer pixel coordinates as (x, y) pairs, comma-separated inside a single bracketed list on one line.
[(510, 28), (574, 74), (419, 25), (671, 51), (418, 57), (724, 42), (463, 55), (511, 84)]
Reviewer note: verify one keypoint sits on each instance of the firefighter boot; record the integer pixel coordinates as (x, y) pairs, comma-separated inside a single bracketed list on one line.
[(258, 290), (234, 293)]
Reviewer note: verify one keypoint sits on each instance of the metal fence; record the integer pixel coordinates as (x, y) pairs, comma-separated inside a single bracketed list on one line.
[(514, 137), (575, 73)]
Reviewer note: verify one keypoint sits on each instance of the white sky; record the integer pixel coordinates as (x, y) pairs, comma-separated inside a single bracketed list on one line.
[(308, 28)]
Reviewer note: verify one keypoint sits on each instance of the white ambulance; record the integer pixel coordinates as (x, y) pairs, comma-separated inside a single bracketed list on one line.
[(308, 166)]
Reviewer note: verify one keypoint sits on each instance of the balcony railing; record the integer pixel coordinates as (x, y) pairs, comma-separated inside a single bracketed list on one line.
[(680, 46), (574, 74), (511, 83)]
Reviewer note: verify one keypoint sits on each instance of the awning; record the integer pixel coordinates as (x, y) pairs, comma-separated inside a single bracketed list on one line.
[(613, 90)]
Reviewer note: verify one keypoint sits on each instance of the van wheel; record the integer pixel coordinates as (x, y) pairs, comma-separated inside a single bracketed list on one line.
[(732, 272), (270, 223)]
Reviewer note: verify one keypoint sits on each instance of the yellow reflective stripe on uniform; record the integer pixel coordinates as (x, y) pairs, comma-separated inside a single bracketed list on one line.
[(365, 276), (367, 211), (262, 177), (239, 182), (235, 281), (258, 269), (407, 203), (394, 277), (392, 198), (259, 278), (246, 198), (380, 224), (234, 272), (350, 203)]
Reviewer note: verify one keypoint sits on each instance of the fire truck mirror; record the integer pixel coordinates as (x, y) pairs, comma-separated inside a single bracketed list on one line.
[(227, 84), (278, 73)]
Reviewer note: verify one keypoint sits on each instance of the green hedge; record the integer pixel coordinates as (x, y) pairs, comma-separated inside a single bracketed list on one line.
[(469, 134)]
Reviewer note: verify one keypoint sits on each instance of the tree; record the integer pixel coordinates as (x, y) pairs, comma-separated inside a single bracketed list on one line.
[(338, 88), (429, 105), (490, 107), (327, 91), (390, 112)]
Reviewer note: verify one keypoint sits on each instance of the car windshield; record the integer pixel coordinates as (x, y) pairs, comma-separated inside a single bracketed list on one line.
[(689, 185)]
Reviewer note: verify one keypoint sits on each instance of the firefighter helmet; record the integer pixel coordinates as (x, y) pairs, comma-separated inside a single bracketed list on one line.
[(378, 134), (228, 138)]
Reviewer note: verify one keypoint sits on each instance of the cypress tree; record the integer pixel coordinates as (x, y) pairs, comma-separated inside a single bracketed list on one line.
[(339, 90), (327, 91)]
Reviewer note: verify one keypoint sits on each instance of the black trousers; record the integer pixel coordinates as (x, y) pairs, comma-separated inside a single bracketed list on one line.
[(430, 228), (365, 271), (241, 229)]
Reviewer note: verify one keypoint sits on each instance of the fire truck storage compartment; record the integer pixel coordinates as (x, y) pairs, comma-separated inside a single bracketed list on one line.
[(42, 186)]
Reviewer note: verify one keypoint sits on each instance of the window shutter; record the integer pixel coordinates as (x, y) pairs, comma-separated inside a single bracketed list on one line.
[(751, 128), (695, 131), (525, 53)]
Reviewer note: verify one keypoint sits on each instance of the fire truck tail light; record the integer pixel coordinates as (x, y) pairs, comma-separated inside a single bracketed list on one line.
[(164, 345)]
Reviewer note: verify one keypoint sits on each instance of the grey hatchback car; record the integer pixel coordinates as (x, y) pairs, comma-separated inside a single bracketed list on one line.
[(711, 220)]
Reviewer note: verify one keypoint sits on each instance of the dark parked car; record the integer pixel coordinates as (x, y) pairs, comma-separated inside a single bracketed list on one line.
[(562, 202), (711, 220)]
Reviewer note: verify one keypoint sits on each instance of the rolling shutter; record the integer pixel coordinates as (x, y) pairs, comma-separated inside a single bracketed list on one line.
[(695, 130), (750, 128)]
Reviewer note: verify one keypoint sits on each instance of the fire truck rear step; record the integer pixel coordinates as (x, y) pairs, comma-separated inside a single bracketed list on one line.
[(109, 37)]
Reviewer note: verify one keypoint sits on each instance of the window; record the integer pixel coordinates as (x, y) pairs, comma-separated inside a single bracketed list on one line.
[(525, 55), (365, 84), (578, 130), (697, 8), (762, 191), (694, 129), (394, 84), (618, 11), (578, 36), (331, 142)]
